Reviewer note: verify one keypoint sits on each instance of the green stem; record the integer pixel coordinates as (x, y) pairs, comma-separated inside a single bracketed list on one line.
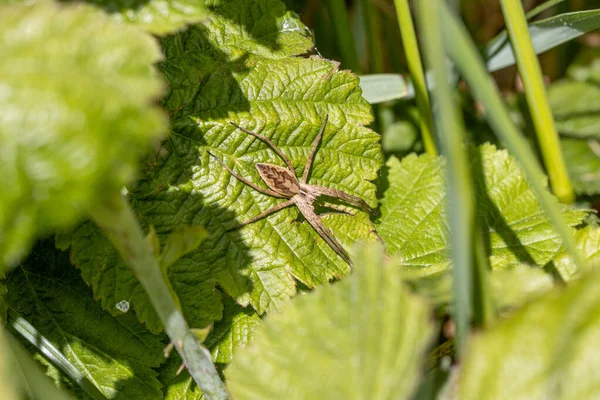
[(117, 220), (415, 68), (466, 57), (343, 32), (460, 190), (535, 92)]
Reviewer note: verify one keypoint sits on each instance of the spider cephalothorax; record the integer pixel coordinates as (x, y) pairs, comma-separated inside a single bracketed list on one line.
[(283, 183)]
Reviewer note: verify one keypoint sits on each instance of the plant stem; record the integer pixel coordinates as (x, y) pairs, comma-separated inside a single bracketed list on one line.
[(117, 220), (343, 32), (415, 68), (535, 92), (460, 191), (466, 57)]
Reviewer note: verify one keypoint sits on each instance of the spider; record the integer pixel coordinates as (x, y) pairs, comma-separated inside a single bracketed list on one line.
[(283, 183)]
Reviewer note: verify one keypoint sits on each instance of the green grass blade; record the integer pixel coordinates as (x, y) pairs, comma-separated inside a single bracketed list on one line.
[(535, 92), (460, 191), (466, 57), (45, 347), (415, 67)]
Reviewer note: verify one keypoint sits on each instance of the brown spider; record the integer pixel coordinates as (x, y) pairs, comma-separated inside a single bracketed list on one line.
[(282, 183)]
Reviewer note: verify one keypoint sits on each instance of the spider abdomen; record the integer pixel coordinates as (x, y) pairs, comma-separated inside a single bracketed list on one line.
[(279, 179)]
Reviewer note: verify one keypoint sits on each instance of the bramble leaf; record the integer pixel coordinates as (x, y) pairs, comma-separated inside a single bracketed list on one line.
[(362, 338), (414, 223), (115, 353), (222, 72), (548, 349), (76, 115)]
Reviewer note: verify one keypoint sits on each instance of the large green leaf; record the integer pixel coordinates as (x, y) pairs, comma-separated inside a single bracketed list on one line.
[(363, 338), (115, 353), (414, 223), (547, 350), (76, 114), (215, 78)]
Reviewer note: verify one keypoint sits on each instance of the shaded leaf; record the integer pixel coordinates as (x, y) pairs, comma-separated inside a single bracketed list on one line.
[(582, 158), (414, 223), (181, 242), (115, 353), (576, 108), (363, 338), (76, 114), (214, 80), (548, 349)]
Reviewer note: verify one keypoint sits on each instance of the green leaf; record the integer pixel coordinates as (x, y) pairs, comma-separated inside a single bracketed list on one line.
[(363, 338), (234, 331), (582, 158), (214, 81), (414, 223), (115, 353), (156, 16), (586, 66), (588, 242), (509, 288), (76, 114), (545, 35), (545, 350), (178, 386), (576, 108)]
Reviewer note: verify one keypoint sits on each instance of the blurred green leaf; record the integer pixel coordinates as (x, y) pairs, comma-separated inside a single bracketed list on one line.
[(588, 242), (414, 222), (159, 17), (363, 338), (115, 353), (220, 73), (583, 163), (576, 108), (586, 66), (508, 288), (548, 349), (76, 114)]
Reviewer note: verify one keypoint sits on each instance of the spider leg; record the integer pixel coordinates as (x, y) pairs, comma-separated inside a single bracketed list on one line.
[(314, 221), (337, 210), (244, 180), (263, 214), (348, 198), (311, 155), (271, 145)]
